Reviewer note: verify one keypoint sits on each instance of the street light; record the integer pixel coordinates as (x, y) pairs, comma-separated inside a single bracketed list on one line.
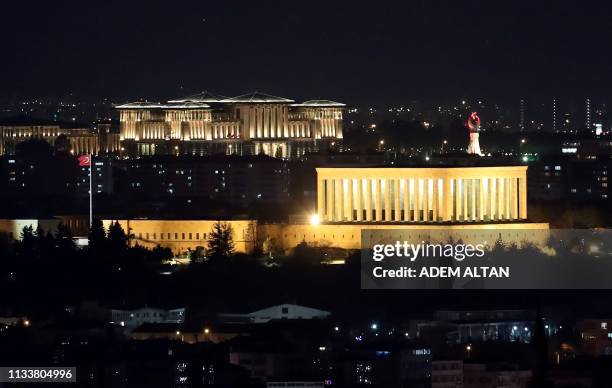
[(314, 219), (468, 348)]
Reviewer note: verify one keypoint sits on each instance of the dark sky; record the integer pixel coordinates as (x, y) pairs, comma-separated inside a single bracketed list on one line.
[(357, 52)]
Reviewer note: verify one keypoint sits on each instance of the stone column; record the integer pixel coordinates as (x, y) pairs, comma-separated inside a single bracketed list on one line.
[(491, 200), (406, 199), (435, 200), (447, 200), (500, 199), (507, 198), (387, 200), (513, 198), (481, 199), (339, 200), (415, 201), (359, 199), (465, 207), (396, 200), (330, 199), (457, 191), (320, 198), (368, 198), (426, 199), (523, 198), (349, 201), (378, 202), (473, 199)]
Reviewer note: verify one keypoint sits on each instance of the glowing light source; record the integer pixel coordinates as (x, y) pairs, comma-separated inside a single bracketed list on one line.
[(314, 219)]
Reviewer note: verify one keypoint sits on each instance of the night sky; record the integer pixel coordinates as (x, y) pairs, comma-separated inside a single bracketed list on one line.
[(374, 52)]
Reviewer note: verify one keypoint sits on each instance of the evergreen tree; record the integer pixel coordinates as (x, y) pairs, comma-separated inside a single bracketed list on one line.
[(42, 247), (220, 240), (117, 240), (64, 240), (27, 245), (97, 237)]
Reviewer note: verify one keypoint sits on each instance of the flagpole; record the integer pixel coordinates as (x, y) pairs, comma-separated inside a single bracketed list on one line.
[(90, 194)]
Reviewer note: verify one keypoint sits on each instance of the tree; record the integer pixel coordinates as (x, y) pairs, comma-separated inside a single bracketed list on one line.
[(27, 245), (117, 239), (220, 240), (97, 236), (44, 242), (62, 144), (160, 254), (64, 239)]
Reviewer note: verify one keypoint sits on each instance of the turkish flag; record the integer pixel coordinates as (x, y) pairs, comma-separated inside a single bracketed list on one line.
[(84, 161)]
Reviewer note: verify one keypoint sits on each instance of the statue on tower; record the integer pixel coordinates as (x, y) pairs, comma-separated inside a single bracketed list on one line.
[(473, 123)]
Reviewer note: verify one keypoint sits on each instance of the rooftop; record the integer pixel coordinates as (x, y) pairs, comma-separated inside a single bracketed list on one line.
[(255, 97), (169, 105), (203, 96), (320, 103)]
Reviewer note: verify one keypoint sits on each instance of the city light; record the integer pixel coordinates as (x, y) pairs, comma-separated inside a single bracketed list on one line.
[(314, 219), (206, 330), (374, 326)]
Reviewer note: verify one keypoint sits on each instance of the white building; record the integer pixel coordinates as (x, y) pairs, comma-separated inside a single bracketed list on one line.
[(281, 311), (131, 319)]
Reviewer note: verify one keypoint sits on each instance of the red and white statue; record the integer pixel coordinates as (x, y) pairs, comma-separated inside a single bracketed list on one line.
[(473, 123)]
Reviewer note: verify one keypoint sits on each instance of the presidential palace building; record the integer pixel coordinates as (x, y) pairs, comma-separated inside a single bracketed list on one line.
[(252, 123)]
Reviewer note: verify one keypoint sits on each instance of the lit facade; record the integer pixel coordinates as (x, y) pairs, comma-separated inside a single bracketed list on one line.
[(184, 235), (422, 195), (208, 117), (81, 140)]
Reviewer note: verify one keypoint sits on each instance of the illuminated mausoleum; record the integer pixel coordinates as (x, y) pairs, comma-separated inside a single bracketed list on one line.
[(422, 194)]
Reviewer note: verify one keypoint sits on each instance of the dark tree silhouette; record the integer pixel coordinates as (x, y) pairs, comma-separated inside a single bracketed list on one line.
[(64, 239), (117, 239), (62, 144), (97, 237), (220, 240)]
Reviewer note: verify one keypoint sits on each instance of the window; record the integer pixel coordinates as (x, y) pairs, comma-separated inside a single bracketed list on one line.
[(183, 236), (285, 310)]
